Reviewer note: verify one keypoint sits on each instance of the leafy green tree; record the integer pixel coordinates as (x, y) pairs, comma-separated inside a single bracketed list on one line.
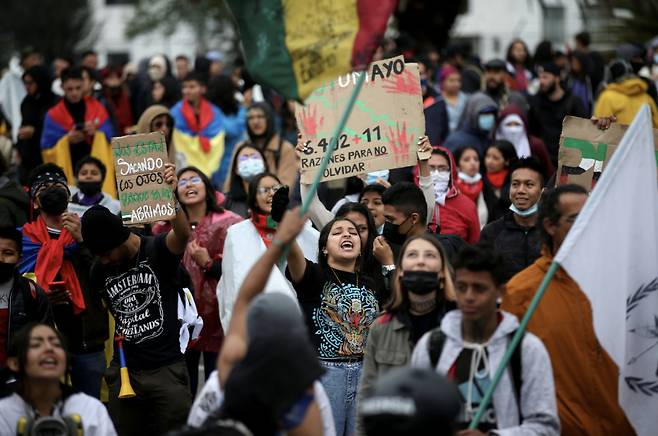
[(54, 27)]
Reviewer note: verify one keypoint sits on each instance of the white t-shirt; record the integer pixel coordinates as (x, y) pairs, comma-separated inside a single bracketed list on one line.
[(211, 398), (95, 420)]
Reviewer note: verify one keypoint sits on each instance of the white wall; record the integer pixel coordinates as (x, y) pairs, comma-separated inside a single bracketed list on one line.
[(504, 20), (111, 21)]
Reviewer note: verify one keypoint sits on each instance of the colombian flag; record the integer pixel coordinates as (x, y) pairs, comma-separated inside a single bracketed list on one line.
[(200, 139), (55, 145), (294, 46)]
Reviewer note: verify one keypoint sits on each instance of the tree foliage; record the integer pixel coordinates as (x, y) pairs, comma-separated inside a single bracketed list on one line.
[(54, 27), (207, 18)]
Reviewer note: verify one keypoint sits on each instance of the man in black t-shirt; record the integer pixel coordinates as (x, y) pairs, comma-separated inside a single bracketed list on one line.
[(136, 276)]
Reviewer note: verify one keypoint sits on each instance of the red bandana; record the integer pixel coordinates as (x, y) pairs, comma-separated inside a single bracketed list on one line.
[(497, 179), (198, 124), (51, 261)]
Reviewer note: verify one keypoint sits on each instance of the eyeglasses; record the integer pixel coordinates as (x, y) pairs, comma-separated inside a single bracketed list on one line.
[(268, 189), (184, 182), (249, 156)]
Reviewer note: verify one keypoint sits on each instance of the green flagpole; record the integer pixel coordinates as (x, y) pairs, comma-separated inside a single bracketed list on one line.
[(306, 202), (514, 343)]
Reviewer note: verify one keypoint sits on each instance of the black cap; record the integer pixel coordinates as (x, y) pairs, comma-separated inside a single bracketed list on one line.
[(411, 401), (550, 68), (102, 231), (281, 364), (496, 64)]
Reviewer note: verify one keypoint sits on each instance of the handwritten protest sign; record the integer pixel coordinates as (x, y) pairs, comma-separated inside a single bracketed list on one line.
[(382, 131), (139, 164), (585, 151)]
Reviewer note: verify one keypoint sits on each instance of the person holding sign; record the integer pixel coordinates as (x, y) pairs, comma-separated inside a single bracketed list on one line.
[(340, 305), (136, 276), (203, 262)]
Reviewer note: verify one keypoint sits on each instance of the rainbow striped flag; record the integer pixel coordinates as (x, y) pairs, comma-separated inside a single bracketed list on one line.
[(294, 46)]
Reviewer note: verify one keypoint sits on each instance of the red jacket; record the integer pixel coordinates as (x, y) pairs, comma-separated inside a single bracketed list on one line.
[(458, 216)]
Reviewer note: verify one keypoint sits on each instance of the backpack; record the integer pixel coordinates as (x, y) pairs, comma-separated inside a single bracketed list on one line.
[(435, 347)]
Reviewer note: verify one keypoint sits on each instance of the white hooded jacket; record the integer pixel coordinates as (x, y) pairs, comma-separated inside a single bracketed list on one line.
[(538, 404)]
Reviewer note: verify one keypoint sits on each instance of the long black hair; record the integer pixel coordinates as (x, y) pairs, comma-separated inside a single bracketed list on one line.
[(461, 150), (211, 197), (368, 261), (270, 130), (253, 191), (18, 348), (324, 236), (236, 187)]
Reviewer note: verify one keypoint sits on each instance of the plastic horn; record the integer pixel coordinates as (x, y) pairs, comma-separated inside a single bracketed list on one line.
[(126, 390)]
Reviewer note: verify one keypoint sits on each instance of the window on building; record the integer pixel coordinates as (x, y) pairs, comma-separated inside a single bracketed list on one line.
[(554, 23)]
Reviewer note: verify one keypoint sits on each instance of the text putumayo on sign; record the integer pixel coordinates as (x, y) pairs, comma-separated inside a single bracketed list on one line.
[(139, 164), (382, 131)]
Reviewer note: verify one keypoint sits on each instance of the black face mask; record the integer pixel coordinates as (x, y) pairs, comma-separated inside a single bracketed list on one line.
[(90, 189), (392, 233), (54, 200), (419, 282), (6, 271)]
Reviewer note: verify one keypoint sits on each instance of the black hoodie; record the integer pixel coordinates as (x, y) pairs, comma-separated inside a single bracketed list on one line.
[(14, 203), (33, 111)]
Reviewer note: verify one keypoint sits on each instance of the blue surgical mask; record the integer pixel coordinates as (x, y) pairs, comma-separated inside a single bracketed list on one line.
[(486, 122), (250, 168), (372, 177), (524, 213)]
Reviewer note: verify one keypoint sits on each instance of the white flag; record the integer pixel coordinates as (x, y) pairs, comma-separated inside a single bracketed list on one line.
[(612, 253)]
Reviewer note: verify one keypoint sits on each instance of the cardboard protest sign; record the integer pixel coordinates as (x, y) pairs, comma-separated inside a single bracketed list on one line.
[(585, 151), (382, 131), (139, 164)]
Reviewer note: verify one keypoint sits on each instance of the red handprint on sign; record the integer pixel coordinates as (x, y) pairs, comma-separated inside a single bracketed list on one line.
[(399, 141), (404, 83), (310, 125)]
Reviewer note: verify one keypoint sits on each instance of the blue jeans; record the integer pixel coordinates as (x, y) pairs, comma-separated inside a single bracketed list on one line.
[(341, 382), (87, 372)]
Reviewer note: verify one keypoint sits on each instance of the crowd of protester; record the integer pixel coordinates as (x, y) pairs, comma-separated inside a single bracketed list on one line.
[(332, 323)]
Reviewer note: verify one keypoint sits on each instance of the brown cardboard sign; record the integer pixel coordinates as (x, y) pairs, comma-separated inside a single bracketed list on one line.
[(139, 164), (586, 150), (382, 130)]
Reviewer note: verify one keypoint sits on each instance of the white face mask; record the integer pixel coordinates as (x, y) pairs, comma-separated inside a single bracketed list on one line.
[(469, 179), (372, 177), (513, 132), (524, 213), (250, 168), (441, 180), (155, 73)]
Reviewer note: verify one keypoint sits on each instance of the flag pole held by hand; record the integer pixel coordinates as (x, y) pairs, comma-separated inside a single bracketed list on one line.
[(306, 202)]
